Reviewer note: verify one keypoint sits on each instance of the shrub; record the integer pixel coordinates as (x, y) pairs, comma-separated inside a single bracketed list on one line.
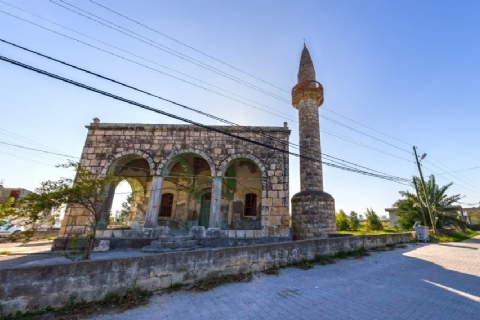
[(373, 221), (341, 221), (353, 221)]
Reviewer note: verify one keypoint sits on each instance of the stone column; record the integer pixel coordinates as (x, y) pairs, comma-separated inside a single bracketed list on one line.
[(105, 209), (154, 203), (216, 203)]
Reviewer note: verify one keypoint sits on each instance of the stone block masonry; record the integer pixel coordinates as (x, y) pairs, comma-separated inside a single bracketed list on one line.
[(34, 288), (151, 156)]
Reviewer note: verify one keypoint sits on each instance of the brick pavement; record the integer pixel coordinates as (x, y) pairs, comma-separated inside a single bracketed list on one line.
[(419, 282)]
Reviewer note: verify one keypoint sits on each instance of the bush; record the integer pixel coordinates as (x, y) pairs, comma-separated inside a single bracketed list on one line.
[(353, 221), (341, 221), (373, 221)]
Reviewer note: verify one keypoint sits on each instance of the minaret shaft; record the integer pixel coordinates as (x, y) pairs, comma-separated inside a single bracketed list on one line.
[(311, 174)]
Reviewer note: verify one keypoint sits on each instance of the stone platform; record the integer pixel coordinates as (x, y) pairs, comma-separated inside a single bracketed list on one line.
[(313, 215), (172, 243)]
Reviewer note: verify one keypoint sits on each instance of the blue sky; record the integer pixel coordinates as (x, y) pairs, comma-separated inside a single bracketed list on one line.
[(409, 69)]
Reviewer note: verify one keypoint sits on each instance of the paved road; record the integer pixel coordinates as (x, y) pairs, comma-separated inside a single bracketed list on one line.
[(419, 282)]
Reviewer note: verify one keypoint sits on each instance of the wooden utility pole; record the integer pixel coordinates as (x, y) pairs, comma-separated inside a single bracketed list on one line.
[(432, 218)]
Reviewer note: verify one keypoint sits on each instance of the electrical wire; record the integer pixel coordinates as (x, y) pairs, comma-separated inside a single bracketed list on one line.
[(150, 68), (169, 50), (135, 62), (333, 159), (190, 47), (215, 129)]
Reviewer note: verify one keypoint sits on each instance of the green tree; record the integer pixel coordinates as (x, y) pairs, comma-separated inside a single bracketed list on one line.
[(410, 206), (7, 209), (373, 221), (341, 220), (123, 214), (353, 221), (87, 192)]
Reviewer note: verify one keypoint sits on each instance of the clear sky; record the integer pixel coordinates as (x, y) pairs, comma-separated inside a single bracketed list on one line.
[(409, 69)]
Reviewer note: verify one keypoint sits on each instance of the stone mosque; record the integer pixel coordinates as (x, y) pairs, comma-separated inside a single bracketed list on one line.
[(186, 178)]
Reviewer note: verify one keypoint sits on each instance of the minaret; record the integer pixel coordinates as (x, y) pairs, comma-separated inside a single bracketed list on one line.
[(313, 210)]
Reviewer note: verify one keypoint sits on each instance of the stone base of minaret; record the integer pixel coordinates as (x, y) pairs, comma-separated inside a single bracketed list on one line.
[(313, 215)]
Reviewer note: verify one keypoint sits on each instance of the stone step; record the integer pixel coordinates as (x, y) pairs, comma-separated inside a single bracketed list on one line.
[(173, 244), (157, 250), (172, 238)]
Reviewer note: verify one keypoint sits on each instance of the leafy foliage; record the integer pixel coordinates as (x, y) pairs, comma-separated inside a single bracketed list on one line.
[(341, 220), (123, 214), (410, 206), (373, 221), (353, 221), (88, 192), (7, 208)]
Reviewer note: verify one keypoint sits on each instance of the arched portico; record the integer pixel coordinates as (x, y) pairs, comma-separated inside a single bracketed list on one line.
[(242, 192), (136, 167), (188, 176)]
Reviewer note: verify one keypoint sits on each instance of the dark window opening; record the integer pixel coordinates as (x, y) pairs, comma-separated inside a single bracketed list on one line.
[(250, 204), (166, 205), (15, 194)]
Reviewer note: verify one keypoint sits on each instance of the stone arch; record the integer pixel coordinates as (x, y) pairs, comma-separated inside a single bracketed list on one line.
[(165, 164), (122, 154), (228, 160)]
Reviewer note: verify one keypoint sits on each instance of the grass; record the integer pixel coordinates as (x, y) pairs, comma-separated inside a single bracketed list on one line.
[(5, 252), (213, 282), (362, 232), (455, 237)]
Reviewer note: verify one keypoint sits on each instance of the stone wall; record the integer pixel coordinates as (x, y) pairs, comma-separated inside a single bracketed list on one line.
[(106, 144), (33, 288)]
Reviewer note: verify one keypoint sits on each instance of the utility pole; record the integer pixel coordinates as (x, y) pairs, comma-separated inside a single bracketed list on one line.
[(425, 189), (421, 206)]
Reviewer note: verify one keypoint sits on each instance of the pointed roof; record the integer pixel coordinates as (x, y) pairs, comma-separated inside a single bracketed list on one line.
[(306, 70)]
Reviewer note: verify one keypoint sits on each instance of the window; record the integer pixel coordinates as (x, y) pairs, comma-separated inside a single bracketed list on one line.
[(250, 204), (166, 205), (15, 194)]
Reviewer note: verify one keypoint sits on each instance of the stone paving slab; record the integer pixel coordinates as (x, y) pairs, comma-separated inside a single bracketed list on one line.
[(423, 281)]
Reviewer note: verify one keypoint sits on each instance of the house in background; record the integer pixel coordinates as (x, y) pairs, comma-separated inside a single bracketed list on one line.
[(17, 193), (465, 215)]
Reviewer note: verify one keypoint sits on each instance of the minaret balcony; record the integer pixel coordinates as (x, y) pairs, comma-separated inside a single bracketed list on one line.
[(310, 89)]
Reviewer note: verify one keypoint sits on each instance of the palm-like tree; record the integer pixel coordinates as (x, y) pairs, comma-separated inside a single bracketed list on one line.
[(410, 207)]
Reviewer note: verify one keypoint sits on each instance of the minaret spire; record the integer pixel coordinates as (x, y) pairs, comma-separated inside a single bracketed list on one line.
[(306, 71)]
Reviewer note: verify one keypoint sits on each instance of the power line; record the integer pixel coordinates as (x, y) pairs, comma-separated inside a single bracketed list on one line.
[(333, 159), (47, 157), (218, 60), (463, 181), (457, 184), (452, 174), (135, 62), (148, 67), (215, 129), (44, 151), (190, 47), (13, 155), (169, 50), (363, 125), (460, 170), (23, 139)]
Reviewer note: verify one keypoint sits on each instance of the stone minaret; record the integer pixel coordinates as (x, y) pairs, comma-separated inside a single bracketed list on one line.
[(313, 210)]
